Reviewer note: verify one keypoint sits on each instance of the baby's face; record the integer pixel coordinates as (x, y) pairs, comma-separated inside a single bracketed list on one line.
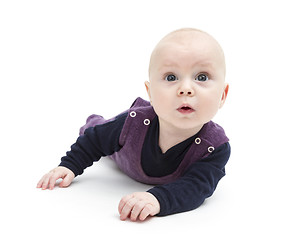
[(187, 80)]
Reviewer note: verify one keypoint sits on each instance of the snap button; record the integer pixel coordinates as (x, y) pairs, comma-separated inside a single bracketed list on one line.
[(146, 122), (211, 149), (133, 113), (198, 140)]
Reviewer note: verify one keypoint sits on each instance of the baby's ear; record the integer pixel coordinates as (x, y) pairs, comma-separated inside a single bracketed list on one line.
[(224, 95), (147, 86)]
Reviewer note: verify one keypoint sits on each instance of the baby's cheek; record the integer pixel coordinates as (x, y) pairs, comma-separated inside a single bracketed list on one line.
[(160, 106), (210, 108)]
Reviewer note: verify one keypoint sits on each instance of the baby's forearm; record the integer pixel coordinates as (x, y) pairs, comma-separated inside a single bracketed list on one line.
[(83, 153)]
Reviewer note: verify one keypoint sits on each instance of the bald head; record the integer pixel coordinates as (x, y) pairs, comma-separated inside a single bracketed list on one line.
[(188, 39)]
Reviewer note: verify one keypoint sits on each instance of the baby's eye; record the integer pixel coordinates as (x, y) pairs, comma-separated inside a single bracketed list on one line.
[(171, 78), (202, 77)]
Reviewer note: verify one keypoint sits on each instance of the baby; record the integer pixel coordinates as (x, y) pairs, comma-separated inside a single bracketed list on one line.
[(169, 142)]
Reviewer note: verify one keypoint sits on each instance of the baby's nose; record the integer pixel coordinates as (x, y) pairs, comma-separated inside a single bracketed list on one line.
[(185, 90), (182, 93)]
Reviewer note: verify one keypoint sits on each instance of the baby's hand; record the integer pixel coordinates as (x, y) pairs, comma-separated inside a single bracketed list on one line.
[(138, 205), (49, 179)]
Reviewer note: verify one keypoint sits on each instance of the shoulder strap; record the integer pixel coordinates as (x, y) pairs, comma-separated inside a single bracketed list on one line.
[(142, 112)]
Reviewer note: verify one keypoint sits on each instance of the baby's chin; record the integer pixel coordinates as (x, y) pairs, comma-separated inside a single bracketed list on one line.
[(186, 125)]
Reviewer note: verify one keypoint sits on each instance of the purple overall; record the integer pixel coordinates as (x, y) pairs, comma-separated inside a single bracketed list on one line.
[(132, 137)]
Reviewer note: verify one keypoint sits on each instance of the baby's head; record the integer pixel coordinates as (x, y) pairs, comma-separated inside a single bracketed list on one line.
[(187, 79), (188, 38)]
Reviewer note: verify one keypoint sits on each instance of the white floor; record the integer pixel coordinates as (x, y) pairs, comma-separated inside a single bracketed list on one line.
[(245, 206), (63, 60)]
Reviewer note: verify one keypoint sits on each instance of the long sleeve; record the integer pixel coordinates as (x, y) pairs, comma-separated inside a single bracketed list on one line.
[(198, 183), (98, 141)]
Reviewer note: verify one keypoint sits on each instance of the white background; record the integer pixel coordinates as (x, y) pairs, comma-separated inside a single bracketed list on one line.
[(61, 61)]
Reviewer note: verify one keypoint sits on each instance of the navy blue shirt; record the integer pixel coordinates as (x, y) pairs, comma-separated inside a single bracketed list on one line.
[(186, 193)]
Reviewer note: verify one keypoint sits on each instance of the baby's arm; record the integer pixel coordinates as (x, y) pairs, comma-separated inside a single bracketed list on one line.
[(96, 142), (49, 179), (138, 205), (198, 183)]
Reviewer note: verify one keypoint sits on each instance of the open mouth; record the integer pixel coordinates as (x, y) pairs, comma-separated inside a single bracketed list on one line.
[(185, 109)]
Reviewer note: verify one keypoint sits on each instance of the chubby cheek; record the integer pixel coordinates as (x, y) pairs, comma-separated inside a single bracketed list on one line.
[(209, 107), (159, 106), (160, 102)]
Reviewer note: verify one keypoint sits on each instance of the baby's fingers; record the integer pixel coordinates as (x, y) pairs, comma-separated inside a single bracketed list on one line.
[(48, 180), (123, 202), (40, 183), (66, 180), (52, 180), (147, 211), (127, 208), (43, 183)]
